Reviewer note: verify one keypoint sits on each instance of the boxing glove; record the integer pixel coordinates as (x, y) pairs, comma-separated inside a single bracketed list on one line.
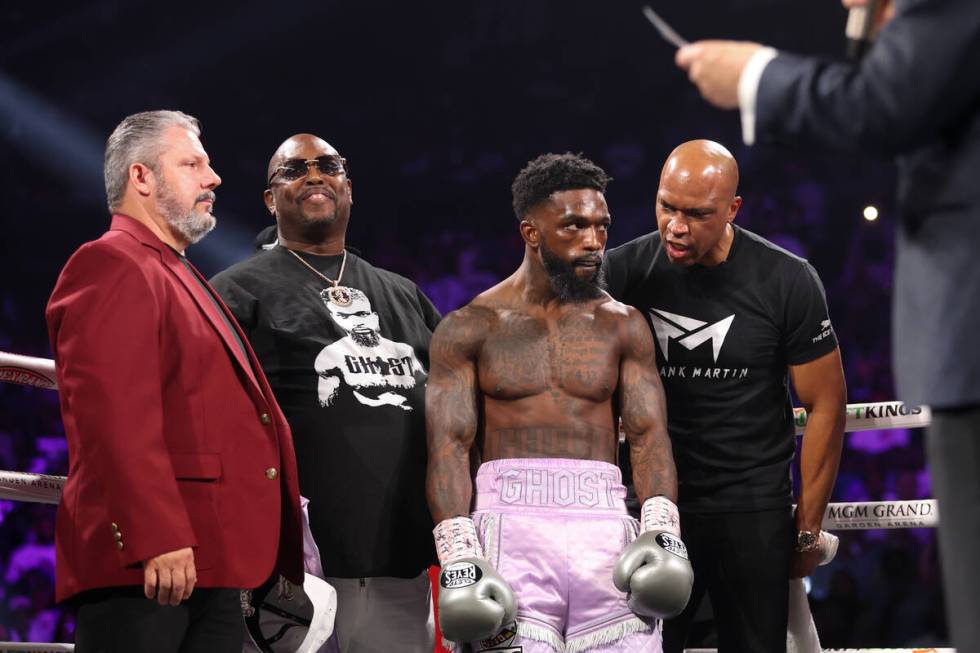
[(474, 600), (655, 572), (654, 569)]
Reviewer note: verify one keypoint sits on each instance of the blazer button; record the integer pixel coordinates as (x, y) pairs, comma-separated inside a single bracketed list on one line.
[(118, 536), (114, 526), (271, 473), (265, 419), (119, 545)]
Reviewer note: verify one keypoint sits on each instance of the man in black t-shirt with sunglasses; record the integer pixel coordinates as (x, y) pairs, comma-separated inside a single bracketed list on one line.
[(346, 348)]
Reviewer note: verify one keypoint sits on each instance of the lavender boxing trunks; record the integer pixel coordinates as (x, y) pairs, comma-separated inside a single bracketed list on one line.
[(554, 529)]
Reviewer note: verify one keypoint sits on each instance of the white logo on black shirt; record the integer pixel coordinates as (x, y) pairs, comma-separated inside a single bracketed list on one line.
[(825, 330), (365, 360), (689, 332)]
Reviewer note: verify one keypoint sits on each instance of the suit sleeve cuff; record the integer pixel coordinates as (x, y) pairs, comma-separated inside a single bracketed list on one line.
[(748, 89)]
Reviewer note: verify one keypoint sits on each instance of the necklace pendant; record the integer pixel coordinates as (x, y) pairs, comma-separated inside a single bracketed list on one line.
[(337, 295)]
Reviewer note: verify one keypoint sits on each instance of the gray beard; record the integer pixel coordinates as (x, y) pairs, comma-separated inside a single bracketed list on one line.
[(192, 226)]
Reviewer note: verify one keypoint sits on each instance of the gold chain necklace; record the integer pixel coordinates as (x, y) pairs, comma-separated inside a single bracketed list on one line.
[(336, 294)]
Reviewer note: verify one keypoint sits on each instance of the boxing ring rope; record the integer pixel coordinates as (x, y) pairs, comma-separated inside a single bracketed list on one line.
[(924, 513), (27, 370), (842, 650), (856, 515)]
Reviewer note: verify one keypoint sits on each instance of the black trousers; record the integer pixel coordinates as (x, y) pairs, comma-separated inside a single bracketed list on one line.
[(123, 620), (741, 560), (953, 444)]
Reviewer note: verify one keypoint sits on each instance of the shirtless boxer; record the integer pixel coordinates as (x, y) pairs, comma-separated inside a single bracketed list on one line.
[(529, 380)]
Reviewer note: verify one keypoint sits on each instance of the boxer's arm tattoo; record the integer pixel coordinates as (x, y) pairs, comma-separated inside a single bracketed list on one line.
[(451, 414), (644, 412)]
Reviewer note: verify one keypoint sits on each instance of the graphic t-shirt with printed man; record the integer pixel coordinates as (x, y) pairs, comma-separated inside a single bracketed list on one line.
[(350, 377), (725, 336)]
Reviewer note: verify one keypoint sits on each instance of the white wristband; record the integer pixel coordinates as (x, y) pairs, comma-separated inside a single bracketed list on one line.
[(456, 538), (660, 514)]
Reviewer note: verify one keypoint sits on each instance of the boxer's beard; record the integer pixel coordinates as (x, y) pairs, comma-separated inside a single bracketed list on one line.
[(193, 225), (567, 284), (366, 338)]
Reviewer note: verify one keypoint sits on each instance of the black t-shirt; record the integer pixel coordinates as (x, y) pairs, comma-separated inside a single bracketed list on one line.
[(725, 337), (351, 382)]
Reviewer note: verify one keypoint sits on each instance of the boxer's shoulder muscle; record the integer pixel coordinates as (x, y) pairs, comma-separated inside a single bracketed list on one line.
[(462, 332)]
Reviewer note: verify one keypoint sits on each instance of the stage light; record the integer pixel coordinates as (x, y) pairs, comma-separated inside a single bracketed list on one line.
[(870, 213)]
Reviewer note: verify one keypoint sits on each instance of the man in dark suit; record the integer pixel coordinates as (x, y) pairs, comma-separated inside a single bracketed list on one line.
[(182, 478), (916, 95)]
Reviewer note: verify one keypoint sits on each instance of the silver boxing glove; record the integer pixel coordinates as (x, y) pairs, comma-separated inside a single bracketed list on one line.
[(654, 569), (656, 574), (474, 601)]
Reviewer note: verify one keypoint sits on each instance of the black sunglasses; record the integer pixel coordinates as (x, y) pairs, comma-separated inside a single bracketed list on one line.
[(293, 169)]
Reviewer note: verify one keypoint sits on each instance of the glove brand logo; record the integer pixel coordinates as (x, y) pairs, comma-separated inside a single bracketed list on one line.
[(688, 332), (506, 634), (670, 543), (460, 574)]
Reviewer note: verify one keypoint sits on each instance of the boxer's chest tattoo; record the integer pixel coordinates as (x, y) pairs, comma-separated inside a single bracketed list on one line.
[(570, 357)]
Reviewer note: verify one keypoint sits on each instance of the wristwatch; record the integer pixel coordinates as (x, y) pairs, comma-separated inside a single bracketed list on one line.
[(807, 541)]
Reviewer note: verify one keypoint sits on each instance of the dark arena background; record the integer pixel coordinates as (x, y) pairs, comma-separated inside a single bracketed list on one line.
[(437, 106)]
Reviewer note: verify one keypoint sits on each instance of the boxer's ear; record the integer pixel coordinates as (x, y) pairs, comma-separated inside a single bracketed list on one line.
[(530, 233)]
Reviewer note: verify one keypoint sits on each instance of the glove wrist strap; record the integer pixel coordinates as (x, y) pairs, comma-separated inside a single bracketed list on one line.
[(660, 514), (456, 538)]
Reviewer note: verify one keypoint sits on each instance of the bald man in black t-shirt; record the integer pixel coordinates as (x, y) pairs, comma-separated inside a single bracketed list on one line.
[(734, 315)]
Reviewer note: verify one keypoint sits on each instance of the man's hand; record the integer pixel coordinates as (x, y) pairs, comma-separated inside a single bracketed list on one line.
[(885, 9), (715, 68), (803, 563), (170, 577)]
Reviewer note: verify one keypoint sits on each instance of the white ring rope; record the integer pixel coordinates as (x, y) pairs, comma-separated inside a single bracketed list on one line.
[(850, 650), (27, 647), (859, 515), (39, 372), (37, 488), (27, 370), (876, 416), (866, 515)]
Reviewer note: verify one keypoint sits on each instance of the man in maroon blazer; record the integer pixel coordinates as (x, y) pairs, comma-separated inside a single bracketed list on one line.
[(182, 481)]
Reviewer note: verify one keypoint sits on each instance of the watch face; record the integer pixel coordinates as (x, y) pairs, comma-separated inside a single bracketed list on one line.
[(806, 541)]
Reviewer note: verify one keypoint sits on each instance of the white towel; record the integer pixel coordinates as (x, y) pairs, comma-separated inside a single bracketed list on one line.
[(801, 633)]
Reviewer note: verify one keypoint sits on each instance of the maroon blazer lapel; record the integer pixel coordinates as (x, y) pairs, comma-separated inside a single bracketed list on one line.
[(186, 277)]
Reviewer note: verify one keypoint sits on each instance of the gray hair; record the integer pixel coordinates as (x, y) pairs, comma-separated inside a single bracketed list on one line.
[(137, 140)]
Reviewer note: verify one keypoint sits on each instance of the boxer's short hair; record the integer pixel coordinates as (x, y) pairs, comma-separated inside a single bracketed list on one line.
[(550, 173)]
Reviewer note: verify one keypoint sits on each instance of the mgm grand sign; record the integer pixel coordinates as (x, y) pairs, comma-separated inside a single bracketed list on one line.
[(882, 514)]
